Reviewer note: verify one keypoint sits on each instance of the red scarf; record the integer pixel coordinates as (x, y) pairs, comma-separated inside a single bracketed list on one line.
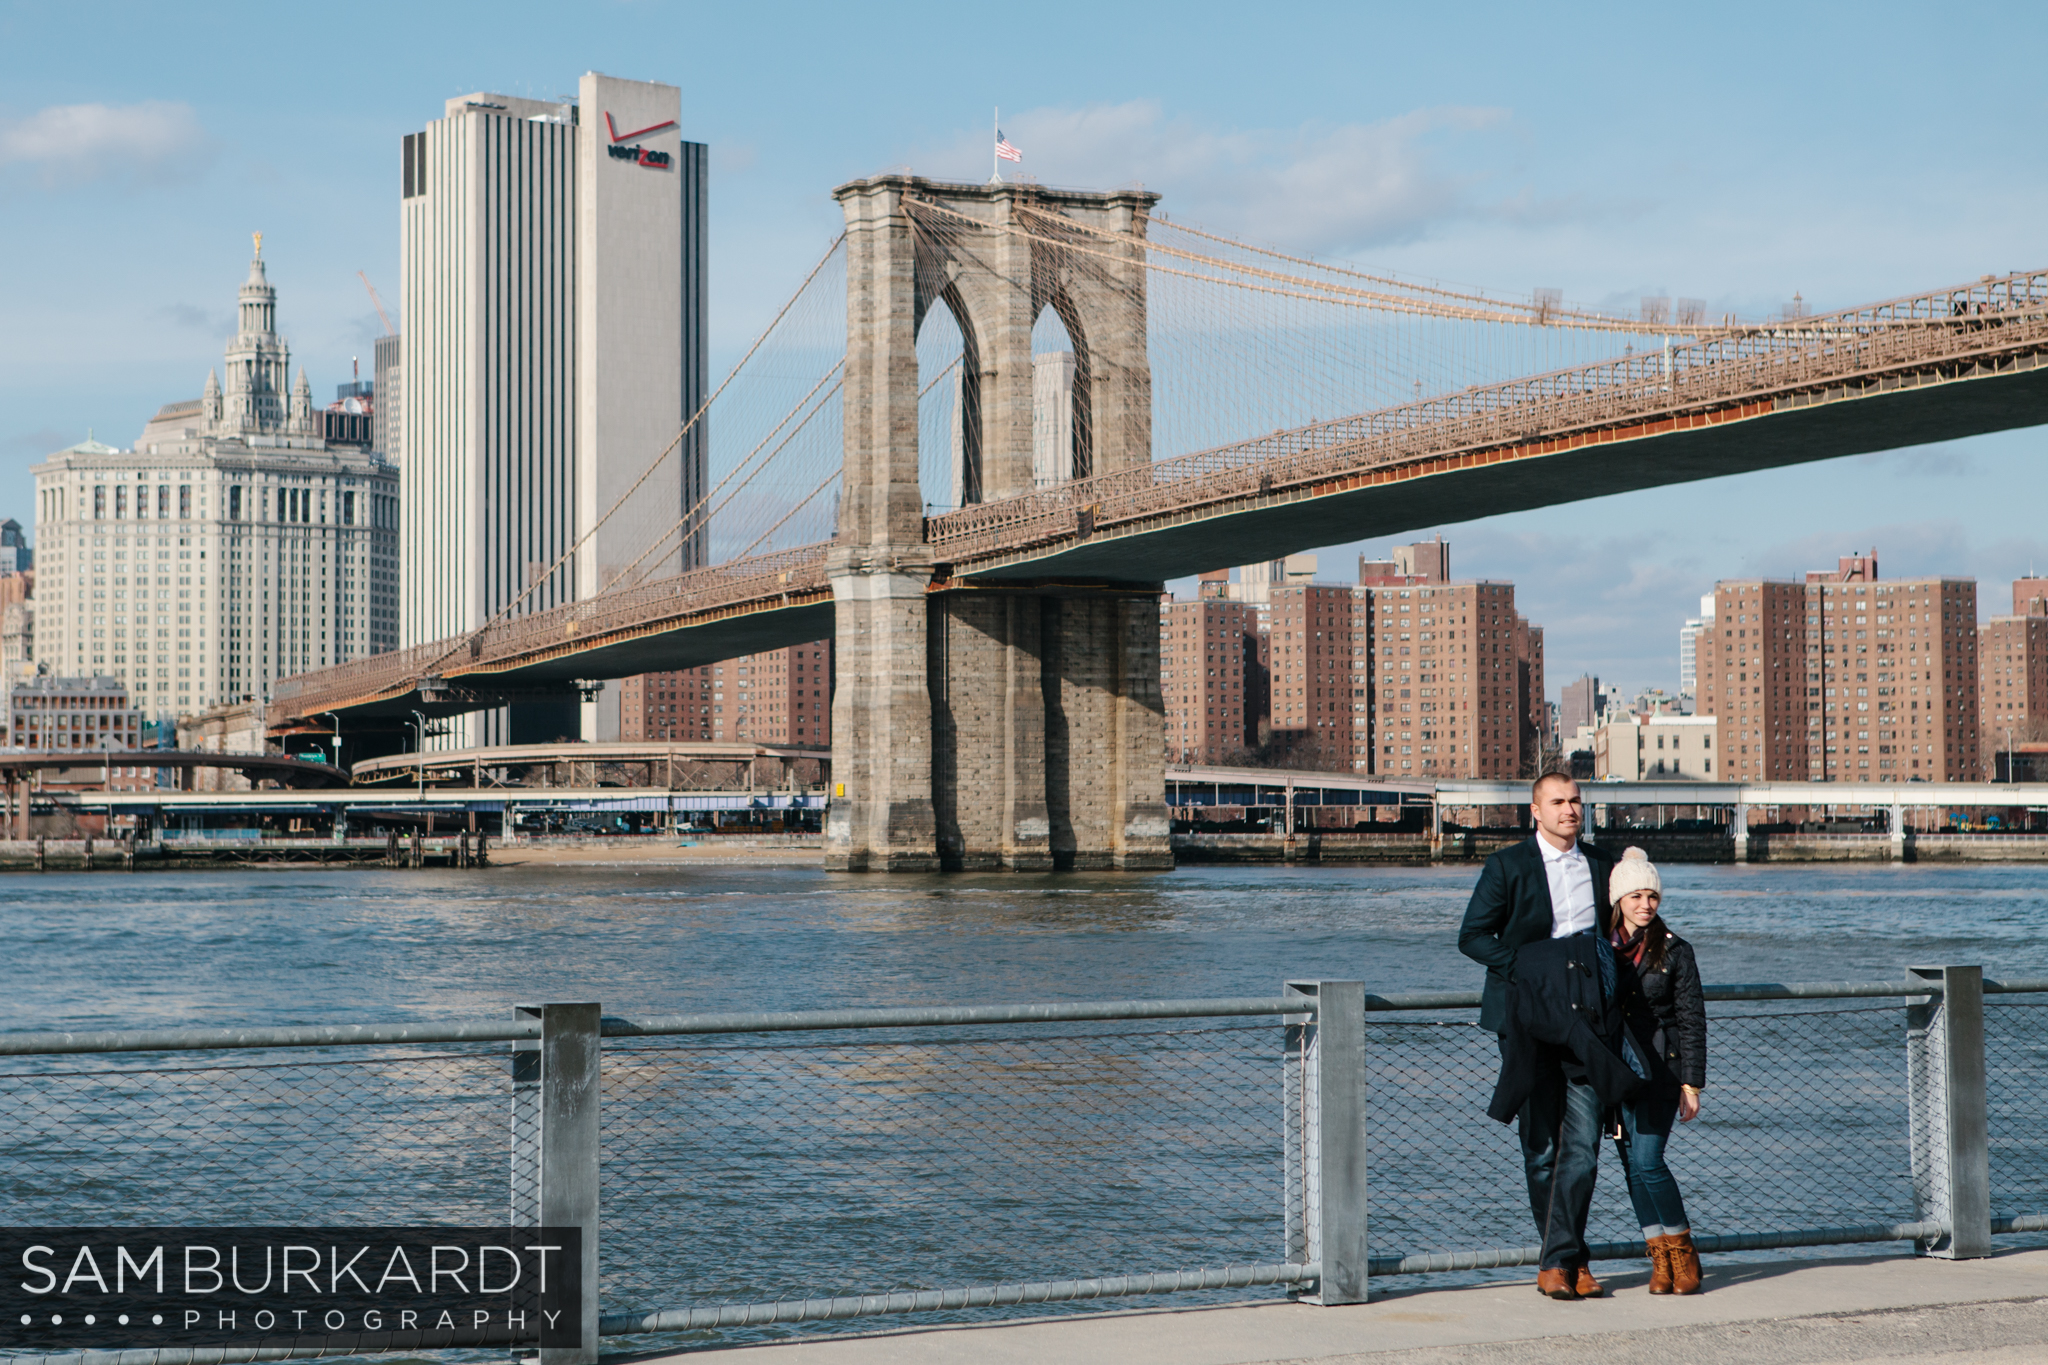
[(1634, 946)]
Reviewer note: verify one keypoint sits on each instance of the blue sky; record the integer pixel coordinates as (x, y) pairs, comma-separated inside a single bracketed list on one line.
[(1736, 153)]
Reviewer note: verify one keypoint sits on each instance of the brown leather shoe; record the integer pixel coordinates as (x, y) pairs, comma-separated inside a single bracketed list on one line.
[(1660, 1265), (1556, 1283), (1685, 1263), (1586, 1286)]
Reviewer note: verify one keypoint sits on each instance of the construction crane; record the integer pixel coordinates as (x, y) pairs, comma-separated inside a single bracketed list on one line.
[(378, 303)]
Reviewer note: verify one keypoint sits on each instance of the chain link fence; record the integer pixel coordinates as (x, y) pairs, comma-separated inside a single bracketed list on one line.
[(1803, 1125), (740, 1168), (2016, 1103), (850, 1165), (397, 1137)]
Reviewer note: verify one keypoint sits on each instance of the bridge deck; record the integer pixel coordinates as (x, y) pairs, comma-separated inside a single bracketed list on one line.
[(1850, 383)]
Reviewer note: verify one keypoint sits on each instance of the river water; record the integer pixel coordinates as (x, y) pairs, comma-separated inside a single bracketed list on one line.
[(754, 1168), (104, 950)]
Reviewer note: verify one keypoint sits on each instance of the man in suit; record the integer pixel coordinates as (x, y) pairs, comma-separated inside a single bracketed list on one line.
[(1551, 886)]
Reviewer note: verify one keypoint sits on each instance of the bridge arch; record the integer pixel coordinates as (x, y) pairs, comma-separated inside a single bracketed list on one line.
[(949, 406), (975, 729)]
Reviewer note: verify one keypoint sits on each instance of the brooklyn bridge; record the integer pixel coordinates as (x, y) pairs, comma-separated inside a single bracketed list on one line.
[(996, 622)]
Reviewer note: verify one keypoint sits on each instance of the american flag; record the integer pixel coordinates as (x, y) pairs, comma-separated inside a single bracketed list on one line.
[(1005, 150)]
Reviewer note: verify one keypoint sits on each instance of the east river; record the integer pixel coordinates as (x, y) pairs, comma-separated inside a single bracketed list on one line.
[(107, 950), (750, 1168)]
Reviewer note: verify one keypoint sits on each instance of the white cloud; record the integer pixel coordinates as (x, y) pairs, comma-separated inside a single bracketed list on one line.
[(1318, 187), (156, 140)]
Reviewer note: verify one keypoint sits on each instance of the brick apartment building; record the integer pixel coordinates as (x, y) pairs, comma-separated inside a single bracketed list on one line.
[(2012, 663), (1320, 675), (1537, 736), (1203, 667), (780, 697), (1843, 678), (1406, 674)]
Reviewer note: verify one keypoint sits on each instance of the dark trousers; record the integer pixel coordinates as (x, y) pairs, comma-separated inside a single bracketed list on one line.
[(1560, 1132)]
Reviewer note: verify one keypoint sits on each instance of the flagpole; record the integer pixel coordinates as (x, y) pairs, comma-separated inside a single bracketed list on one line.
[(995, 165)]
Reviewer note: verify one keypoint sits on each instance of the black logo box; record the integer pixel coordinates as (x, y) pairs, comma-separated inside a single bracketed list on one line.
[(369, 1289)]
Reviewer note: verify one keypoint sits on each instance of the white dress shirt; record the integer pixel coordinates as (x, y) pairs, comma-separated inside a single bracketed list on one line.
[(1571, 888)]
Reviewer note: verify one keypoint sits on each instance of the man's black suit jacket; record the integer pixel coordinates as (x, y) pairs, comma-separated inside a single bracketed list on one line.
[(1511, 907)]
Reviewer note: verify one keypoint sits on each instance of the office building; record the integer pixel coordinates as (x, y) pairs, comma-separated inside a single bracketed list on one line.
[(1844, 677), (1059, 449), (1255, 582), (246, 537), (1655, 747), (1202, 682), (387, 426), (15, 554), (81, 715), (1578, 705), (1688, 647), (779, 697), (17, 627), (553, 260), (2012, 684)]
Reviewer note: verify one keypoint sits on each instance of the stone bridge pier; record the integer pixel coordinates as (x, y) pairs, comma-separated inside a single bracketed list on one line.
[(985, 724)]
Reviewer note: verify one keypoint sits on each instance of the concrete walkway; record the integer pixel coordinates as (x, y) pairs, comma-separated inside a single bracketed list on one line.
[(1838, 1311)]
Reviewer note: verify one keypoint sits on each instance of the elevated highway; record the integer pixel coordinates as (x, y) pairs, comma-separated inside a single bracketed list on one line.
[(290, 772), (1925, 368)]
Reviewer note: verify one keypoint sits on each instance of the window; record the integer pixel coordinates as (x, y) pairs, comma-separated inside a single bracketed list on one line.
[(120, 503), (184, 501)]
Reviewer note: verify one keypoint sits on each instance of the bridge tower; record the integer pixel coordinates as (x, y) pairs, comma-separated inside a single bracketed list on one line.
[(1016, 724)]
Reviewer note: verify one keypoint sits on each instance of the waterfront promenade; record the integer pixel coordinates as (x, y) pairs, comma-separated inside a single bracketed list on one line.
[(1809, 1312)]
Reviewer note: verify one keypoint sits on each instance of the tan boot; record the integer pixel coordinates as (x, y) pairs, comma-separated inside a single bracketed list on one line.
[(1660, 1264), (1685, 1263), (1588, 1287)]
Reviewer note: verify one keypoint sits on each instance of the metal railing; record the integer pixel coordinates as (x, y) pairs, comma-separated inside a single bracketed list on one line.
[(743, 1170)]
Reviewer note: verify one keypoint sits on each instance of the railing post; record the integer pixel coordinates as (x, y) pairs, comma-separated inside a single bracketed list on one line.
[(555, 1144), (1326, 1200), (1945, 1088)]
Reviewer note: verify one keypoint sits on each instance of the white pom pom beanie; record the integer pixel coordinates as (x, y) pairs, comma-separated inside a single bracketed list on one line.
[(1635, 872)]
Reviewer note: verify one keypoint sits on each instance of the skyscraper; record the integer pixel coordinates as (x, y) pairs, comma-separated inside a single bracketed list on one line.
[(553, 278), (247, 536), (1689, 649)]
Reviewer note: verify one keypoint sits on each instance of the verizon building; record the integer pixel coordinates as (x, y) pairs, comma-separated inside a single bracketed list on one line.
[(553, 278)]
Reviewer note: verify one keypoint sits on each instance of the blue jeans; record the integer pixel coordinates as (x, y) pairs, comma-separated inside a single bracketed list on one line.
[(1560, 1134), (1645, 1127)]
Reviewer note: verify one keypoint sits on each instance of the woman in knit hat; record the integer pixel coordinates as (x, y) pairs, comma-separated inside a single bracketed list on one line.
[(1674, 1030)]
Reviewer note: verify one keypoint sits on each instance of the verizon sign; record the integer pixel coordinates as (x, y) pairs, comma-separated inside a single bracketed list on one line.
[(623, 147)]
